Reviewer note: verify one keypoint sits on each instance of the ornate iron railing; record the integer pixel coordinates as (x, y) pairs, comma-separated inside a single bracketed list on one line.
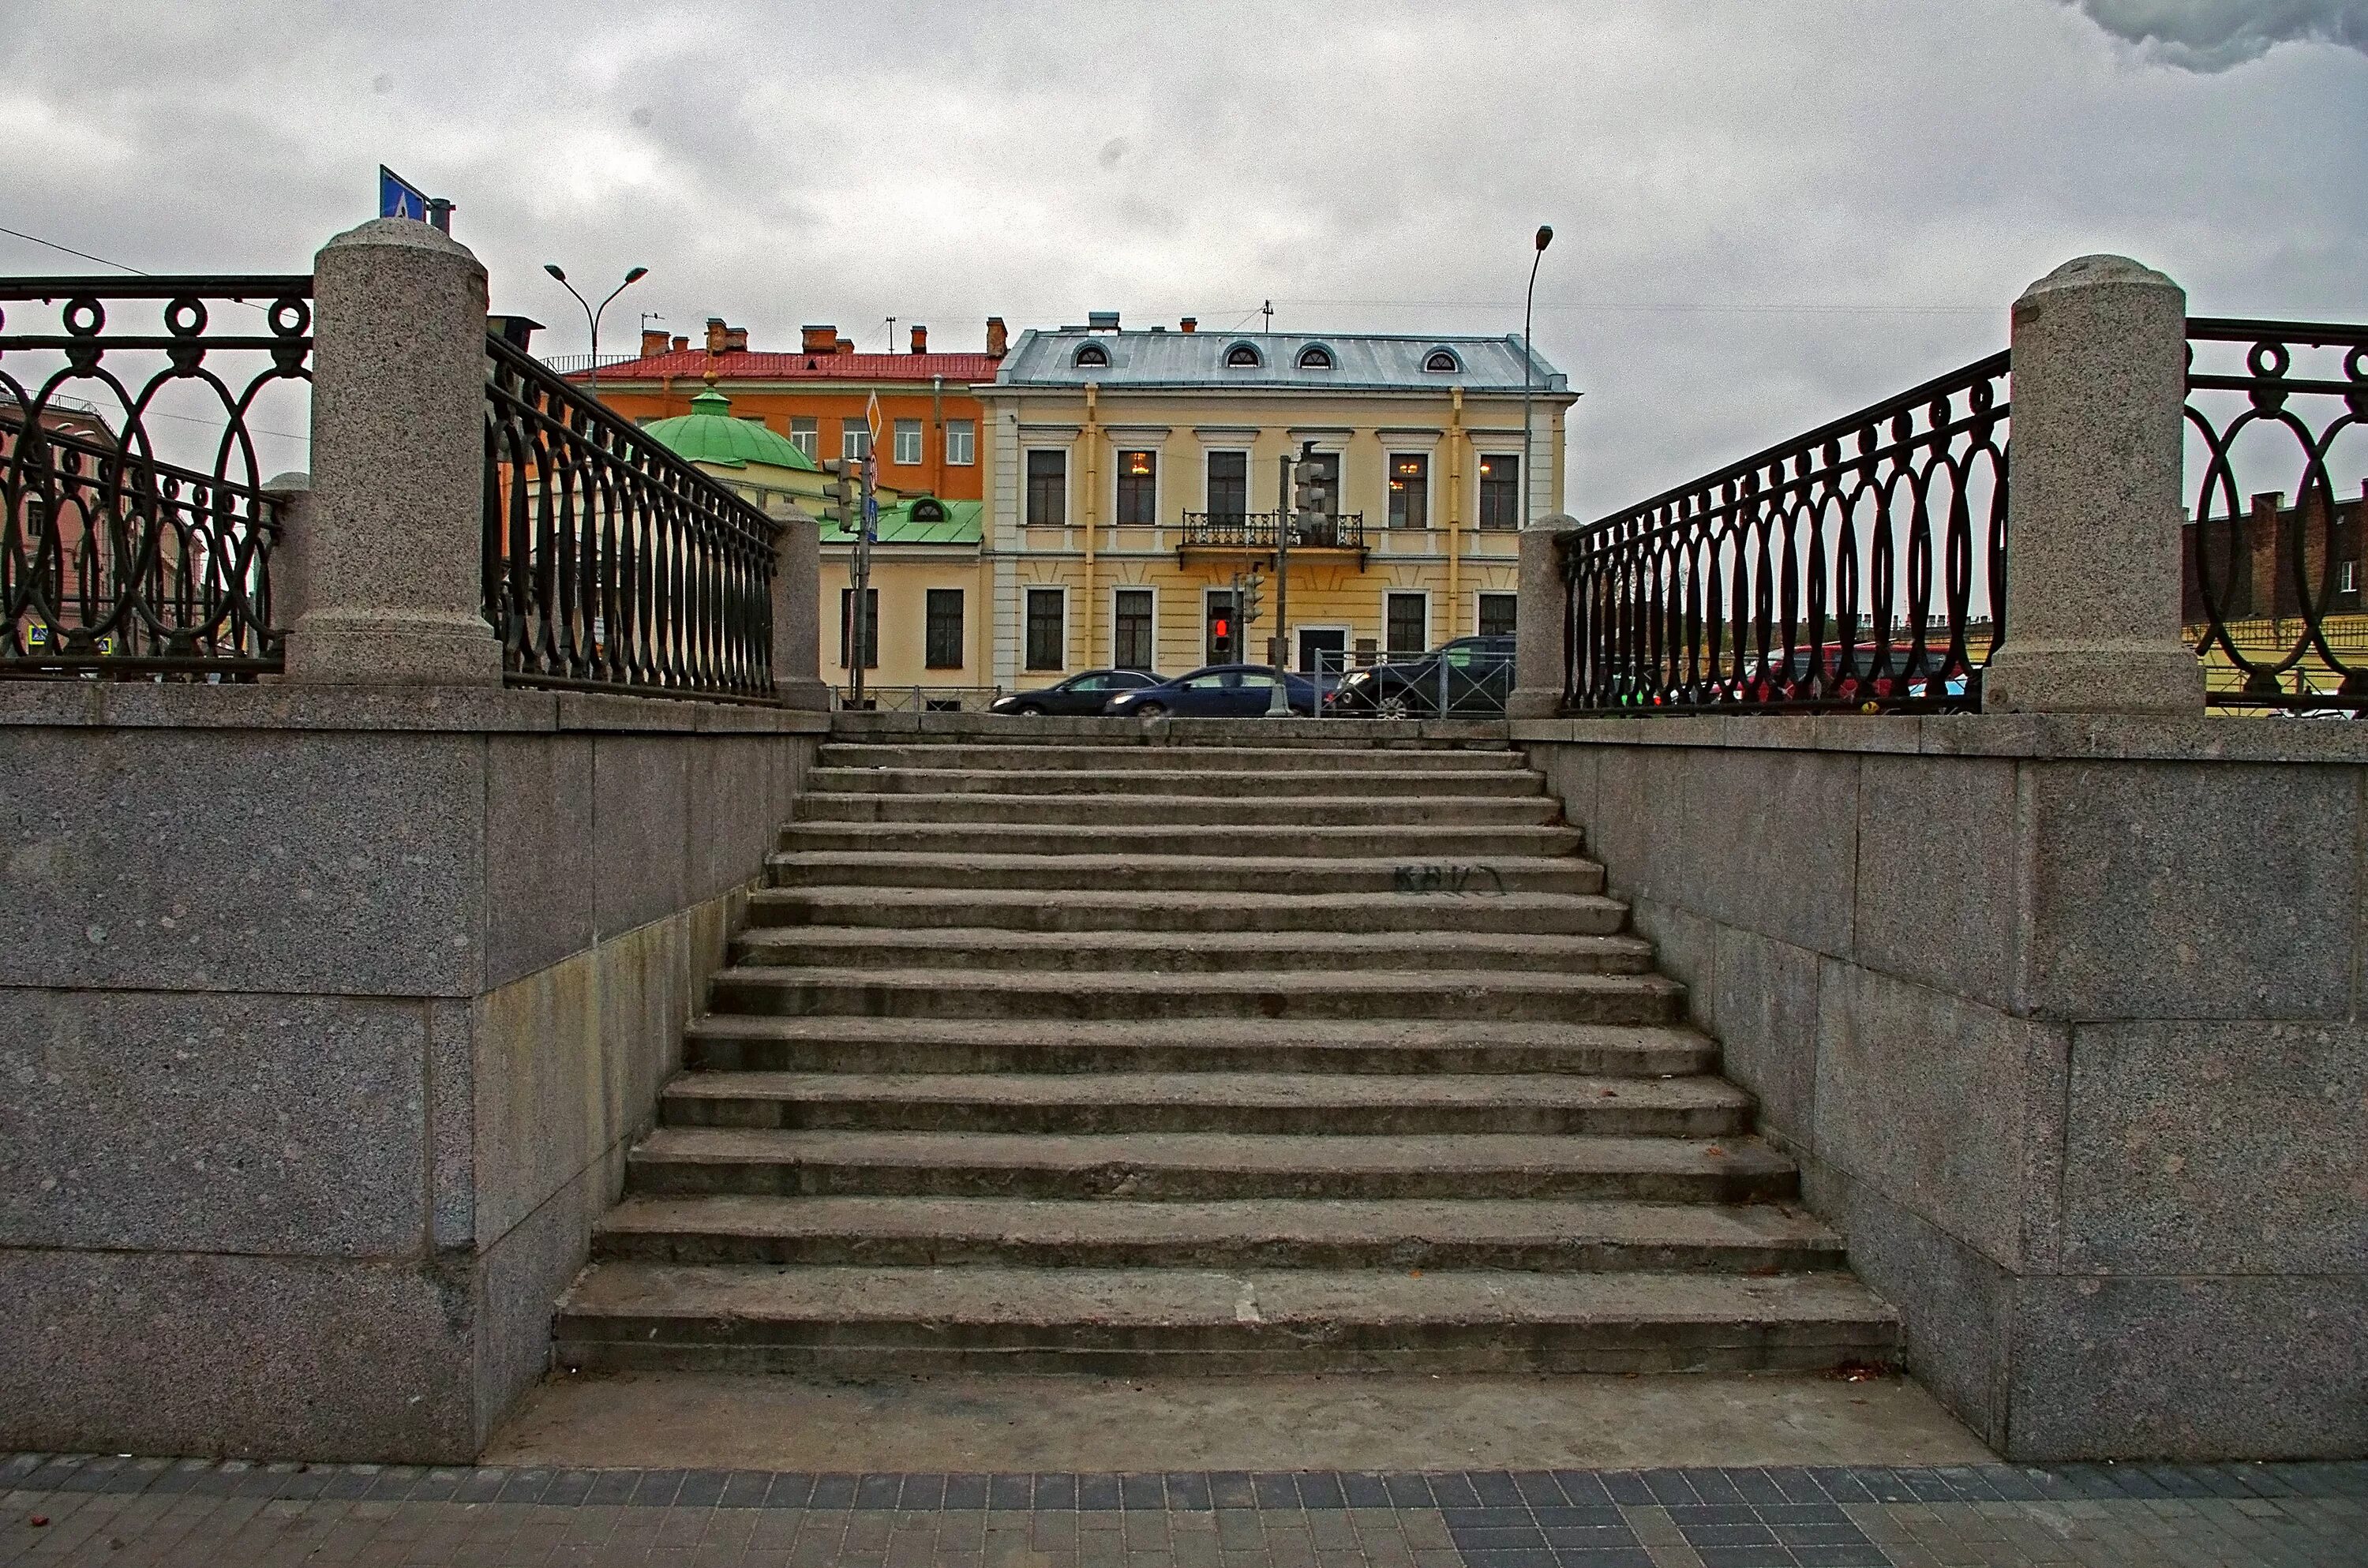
[(610, 562), (115, 558), (2272, 592), (1257, 530), (1861, 566)]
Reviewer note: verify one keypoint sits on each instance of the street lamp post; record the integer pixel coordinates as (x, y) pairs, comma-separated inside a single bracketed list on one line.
[(1528, 363), (592, 312)]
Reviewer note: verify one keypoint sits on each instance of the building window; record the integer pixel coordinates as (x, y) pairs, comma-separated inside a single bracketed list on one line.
[(1442, 360), (1409, 491), (945, 628), (1500, 492), (1048, 630), (1090, 357), (1496, 614), (1314, 356), (1131, 649), (1243, 356), (1407, 623), (962, 442), (908, 442), (1229, 485), (806, 435), (1223, 644), (854, 441), (2347, 577), (1048, 489), (1138, 488), (871, 627)]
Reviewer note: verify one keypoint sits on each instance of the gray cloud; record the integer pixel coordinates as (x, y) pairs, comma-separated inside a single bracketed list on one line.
[(2213, 35)]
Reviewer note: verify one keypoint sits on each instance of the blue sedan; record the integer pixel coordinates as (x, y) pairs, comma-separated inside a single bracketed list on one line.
[(1216, 692)]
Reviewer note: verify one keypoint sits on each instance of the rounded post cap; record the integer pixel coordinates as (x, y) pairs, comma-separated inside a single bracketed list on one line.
[(2103, 271)]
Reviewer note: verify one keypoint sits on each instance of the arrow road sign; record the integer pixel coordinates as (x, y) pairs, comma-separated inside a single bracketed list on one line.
[(398, 197)]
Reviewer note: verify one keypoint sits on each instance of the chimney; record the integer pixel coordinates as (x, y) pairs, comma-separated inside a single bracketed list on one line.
[(1190, 323), (680, 344), (653, 343), (1101, 321), (735, 340), (845, 346), (998, 337), (715, 335), (818, 340), (920, 340)]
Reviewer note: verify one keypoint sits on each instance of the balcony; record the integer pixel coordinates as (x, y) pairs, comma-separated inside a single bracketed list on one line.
[(1255, 533)]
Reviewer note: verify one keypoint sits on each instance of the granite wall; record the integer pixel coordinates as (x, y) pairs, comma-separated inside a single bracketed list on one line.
[(325, 1017), (2062, 1017)]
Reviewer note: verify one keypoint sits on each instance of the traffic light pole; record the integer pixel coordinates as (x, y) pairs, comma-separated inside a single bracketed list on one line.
[(1279, 646), (860, 606)]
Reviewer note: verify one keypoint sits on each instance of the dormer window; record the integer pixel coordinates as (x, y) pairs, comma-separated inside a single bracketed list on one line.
[(1091, 356), (1442, 360), (1316, 357), (1243, 356)]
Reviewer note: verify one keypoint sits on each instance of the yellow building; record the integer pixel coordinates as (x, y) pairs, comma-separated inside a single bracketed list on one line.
[(1131, 474), (931, 644)]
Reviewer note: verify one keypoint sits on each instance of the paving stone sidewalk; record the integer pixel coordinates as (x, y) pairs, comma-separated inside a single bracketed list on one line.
[(125, 1512)]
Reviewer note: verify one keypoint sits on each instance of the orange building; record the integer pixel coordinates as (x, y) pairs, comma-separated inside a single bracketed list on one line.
[(930, 423)]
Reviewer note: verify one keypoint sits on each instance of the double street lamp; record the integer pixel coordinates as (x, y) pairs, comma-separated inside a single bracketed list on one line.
[(592, 312), (1528, 363)]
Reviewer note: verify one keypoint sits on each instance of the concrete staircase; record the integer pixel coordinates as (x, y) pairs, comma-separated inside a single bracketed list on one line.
[(1063, 1048)]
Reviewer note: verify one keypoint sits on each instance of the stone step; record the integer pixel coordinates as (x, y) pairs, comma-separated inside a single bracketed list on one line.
[(1536, 1235), (742, 1043), (1408, 842), (1454, 880), (948, 993), (1318, 777), (1057, 759), (1133, 813), (1377, 1106), (1172, 952), (894, 1322), (1158, 1166), (1263, 730), (1091, 910)]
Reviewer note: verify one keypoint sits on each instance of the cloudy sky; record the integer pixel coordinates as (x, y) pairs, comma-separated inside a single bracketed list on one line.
[(1766, 212)]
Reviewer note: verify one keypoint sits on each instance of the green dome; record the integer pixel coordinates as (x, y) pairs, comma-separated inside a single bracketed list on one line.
[(709, 434)]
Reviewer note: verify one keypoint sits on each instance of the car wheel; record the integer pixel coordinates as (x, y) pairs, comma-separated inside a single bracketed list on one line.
[(1397, 705), (1028, 710), (1150, 710)]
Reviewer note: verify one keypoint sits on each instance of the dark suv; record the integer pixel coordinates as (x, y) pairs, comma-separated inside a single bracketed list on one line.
[(1469, 677)]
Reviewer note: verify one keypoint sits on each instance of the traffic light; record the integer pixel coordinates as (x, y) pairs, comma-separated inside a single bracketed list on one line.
[(839, 501), (1246, 596), (1310, 492)]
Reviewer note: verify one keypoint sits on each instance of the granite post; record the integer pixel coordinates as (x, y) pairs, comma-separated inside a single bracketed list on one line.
[(2093, 504), (291, 553), (797, 614), (1538, 621), (392, 588)]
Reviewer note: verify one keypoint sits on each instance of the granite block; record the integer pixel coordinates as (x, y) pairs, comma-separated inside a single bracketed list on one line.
[(212, 1122), (2190, 1368), (1951, 1109), (1639, 817), (1940, 873), (540, 875), (194, 1353), (640, 828), (733, 825), (540, 1111), (2217, 1148), (1685, 950), (1771, 842), (521, 1275), (242, 860), (2193, 891), (1766, 1015), (451, 1124)]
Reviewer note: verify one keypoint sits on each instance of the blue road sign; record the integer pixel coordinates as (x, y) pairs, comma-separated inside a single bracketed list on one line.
[(398, 197)]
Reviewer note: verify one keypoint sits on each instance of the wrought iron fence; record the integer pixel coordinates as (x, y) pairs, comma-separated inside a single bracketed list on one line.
[(1861, 566), (116, 559), (610, 562), (2272, 592), (1258, 530)]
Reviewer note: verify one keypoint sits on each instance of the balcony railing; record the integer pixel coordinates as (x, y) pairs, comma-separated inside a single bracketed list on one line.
[(1257, 530)]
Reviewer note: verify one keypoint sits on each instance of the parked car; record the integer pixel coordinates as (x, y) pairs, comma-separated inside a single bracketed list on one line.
[(1788, 680), (1078, 694), (1219, 691), (1469, 676)]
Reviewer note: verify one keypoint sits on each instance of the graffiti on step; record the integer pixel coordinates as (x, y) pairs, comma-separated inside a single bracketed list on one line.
[(1466, 881)]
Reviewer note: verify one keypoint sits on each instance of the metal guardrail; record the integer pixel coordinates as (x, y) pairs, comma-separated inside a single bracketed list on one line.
[(2272, 593), (610, 562), (1860, 566), (114, 561)]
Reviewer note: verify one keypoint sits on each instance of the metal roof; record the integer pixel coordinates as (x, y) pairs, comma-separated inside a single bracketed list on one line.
[(1361, 361), (959, 525), (710, 434), (689, 364)]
